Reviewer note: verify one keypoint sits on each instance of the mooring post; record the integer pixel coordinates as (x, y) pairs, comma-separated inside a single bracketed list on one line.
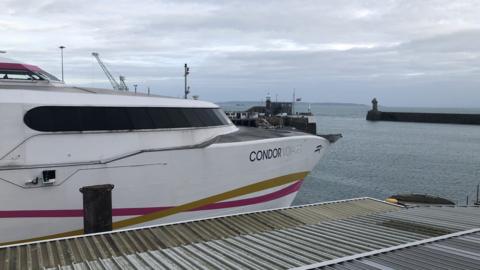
[(97, 208)]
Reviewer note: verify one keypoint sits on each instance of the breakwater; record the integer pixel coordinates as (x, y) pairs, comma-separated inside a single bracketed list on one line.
[(441, 118)]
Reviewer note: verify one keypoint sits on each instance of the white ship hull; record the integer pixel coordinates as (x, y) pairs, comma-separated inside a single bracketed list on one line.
[(161, 186), (168, 159)]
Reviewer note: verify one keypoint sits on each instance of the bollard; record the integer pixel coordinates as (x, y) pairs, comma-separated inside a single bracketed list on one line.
[(97, 208)]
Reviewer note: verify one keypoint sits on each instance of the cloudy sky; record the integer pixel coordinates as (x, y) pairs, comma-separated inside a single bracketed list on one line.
[(406, 53)]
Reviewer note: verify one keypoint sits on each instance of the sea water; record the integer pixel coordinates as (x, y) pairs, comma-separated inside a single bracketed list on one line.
[(380, 159)]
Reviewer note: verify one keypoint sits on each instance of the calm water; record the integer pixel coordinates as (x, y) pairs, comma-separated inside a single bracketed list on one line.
[(378, 159)]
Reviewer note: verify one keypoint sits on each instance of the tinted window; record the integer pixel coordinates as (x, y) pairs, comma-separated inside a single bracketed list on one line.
[(65, 118), (192, 116), (140, 118), (177, 118), (93, 118), (18, 75), (222, 116), (117, 119), (159, 117), (69, 118), (208, 117), (39, 119)]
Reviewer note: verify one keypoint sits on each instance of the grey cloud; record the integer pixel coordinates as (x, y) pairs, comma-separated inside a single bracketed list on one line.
[(404, 52)]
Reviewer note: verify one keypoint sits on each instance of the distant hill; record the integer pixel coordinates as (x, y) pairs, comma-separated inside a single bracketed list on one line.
[(336, 104)]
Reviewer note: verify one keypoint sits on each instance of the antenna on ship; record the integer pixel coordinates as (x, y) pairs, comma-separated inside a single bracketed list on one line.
[(293, 102), (187, 88), (116, 86), (61, 56)]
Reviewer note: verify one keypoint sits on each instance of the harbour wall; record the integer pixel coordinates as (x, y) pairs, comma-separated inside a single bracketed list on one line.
[(300, 123), (441, 118)]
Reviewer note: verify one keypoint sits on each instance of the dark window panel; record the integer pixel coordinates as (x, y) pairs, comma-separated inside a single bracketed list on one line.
[(177, 117), (93, 118), (83, 118), (222, 116), (193, 118), (67, 117), (40, 118), (159, 117), (204, 120), (209, 117), (117, 119), (140, 118)]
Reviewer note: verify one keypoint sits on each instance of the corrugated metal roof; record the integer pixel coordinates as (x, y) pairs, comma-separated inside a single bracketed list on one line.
[(454, 251), (88, 248), (275, 239), (447, 217)]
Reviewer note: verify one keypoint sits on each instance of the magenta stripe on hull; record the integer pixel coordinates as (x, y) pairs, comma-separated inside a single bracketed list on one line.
[(143, 211)]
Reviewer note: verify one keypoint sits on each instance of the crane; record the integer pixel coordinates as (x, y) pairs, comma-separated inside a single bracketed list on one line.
[(116, 86), (123, 85)]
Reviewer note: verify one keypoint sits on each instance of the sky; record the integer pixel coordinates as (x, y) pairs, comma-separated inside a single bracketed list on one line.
[(403, 52)]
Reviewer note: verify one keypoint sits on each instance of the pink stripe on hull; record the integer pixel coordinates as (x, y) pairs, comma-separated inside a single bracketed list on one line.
[(143, 211), (260, 199)]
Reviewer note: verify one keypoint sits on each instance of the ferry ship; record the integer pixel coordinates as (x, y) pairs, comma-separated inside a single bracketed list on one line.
[(169, 159)]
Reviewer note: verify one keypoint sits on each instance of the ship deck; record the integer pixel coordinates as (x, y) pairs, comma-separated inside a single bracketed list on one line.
[(252, 133)]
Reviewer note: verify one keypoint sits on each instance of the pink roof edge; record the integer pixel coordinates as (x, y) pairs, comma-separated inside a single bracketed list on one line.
[(19, 66)]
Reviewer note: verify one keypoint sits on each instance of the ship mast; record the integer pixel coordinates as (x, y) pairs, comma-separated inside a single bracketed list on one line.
[(187, 88)]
